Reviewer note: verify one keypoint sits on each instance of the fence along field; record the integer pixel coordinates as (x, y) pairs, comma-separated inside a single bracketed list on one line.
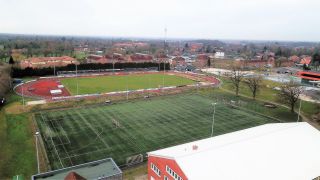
[(125, 129)]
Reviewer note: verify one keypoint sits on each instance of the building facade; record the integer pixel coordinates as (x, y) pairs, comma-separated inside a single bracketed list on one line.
[(270, 151)]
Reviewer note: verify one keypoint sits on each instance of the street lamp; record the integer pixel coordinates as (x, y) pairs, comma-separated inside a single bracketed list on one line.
[(214, 111), (36, 135)]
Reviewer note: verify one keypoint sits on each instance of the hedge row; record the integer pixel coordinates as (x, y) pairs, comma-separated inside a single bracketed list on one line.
[(19, 73)]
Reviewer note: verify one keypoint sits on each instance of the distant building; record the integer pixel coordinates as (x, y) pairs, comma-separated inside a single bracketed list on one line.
[(294, 59), (309, 76), (105, 169), (92, 58), (270, 151), (81, 49), (140, 57), (161, 57), (131, 45), (41, 62), (178, 61), (117, 57), (305, 60), (195, 47), (219, 55), (202, 61)]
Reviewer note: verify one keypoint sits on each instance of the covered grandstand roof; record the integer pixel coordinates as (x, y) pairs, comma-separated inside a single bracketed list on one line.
[(101, 169), (271, 151)]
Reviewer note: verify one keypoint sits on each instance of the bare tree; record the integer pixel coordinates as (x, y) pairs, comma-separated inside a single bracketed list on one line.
[(289, 94), (254, 84), (236, 77)]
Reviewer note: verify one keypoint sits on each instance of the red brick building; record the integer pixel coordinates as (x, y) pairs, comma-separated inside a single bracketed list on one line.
[(176, 61), (202, 60), (41, 62), (161, 57), (99, 59), (140, 57)]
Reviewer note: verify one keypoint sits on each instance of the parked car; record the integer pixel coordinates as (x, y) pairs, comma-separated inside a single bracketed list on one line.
[(17, 81)]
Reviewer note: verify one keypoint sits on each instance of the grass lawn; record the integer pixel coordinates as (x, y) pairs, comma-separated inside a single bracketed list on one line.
[(267, 93), (17, 151), (103, 84), (17, 148), (78, 135)]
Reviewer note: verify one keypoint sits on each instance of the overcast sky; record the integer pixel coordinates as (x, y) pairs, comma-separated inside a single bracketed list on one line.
[(211, 19)]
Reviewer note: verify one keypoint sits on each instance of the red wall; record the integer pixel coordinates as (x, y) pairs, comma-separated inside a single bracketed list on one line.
[(316, 76), (161, 163)]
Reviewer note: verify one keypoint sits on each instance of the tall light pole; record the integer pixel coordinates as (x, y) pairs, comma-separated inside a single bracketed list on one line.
[(164, 72), (77, 79), (214, 111), (22, 89), (127, 87), (299, 112), (36, 135), (112, 63)]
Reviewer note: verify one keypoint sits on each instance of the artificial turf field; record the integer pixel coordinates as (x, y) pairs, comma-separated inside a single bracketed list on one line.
[(103, 84), (78, 135)]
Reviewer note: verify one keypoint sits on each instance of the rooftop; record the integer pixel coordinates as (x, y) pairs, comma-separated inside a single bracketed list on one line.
[(92, 170), (271, 151)]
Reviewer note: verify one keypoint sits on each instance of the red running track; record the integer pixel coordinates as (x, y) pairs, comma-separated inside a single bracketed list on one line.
[(41, 88)]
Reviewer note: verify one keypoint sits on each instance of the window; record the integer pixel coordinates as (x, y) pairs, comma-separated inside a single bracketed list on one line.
[(165, 178), (173, 174), (155, 169)]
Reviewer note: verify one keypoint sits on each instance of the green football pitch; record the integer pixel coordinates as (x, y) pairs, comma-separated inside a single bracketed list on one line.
[(103, 84), (123, 129)]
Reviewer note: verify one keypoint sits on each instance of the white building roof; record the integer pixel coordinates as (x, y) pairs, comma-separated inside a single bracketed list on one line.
[(56, 91), (284, 151)]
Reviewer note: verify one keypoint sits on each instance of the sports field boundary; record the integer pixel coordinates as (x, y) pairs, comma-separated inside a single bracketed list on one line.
[(32, 91)]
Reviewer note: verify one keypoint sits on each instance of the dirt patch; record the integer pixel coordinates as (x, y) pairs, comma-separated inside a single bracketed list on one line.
[(136, 173), (17, 108)]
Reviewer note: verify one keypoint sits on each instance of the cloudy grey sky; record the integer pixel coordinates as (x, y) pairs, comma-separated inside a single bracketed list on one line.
[(210, 19)]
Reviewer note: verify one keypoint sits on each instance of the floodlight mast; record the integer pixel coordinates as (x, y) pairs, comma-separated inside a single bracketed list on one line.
[(299, 112), (54, 69), (127, 87), (214, 111), (23, 103), (77, 79), (38, 164), (112, 63), (165, 51)]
